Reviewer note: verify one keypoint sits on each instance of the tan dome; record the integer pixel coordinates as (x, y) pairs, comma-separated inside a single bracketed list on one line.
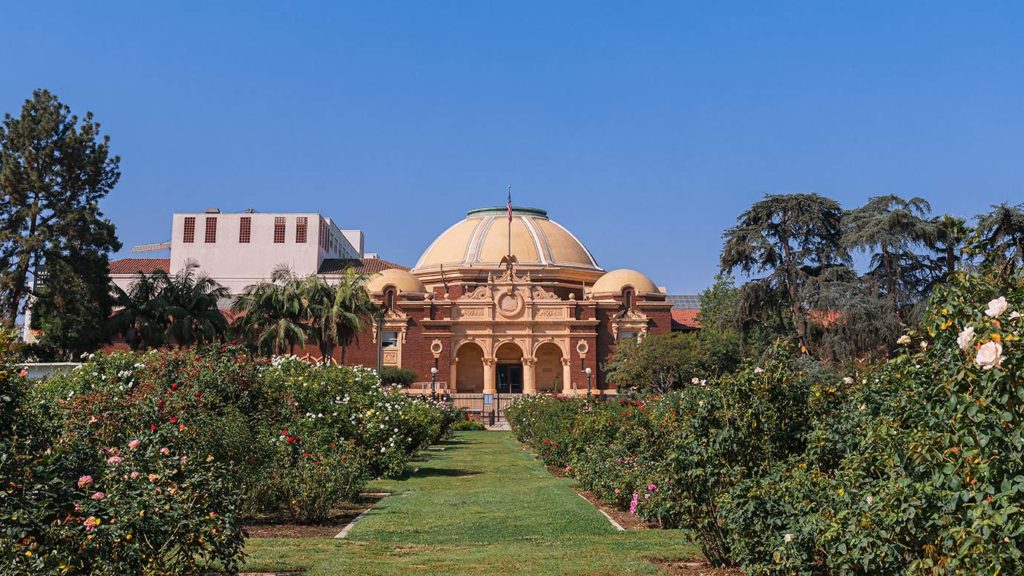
[(482, 239), (614, 282), (405, 282)]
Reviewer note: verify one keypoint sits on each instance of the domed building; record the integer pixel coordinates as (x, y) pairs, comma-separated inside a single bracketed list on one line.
[(509, 303)]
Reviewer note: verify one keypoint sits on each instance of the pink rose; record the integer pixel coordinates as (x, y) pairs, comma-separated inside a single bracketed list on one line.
[(134, 474), (618, 491), (134, 444), (85, 481), (652, 488), (90, 523), (98, 496), (114, 460)]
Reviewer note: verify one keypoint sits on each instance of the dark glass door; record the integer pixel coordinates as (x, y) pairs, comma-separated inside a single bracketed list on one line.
[(510, 378)]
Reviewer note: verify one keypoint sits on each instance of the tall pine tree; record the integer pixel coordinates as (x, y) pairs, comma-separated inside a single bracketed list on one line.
[(54, 170)]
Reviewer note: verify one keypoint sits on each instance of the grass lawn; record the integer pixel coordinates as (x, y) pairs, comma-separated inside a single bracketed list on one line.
[(481, 506)]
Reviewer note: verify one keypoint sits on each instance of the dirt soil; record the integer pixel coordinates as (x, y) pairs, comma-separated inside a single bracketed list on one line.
[(676, 568), (282, 526)]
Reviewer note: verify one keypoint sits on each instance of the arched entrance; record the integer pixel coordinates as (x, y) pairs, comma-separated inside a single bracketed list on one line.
[(509, 376), (469, 377), (549, 368)]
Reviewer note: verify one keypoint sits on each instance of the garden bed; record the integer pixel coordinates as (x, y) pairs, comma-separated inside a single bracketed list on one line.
[(689, 568), (282, 526)]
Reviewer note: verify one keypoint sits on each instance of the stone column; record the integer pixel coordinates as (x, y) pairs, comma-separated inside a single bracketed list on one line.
[(529, 375), (566, 376), (490, 375), (453, 384)]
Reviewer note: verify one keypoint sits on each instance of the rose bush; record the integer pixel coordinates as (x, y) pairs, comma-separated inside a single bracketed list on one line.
[(911, 466), (149, 463)]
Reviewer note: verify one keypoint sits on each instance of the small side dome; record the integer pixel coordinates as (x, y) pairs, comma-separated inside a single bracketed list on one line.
[(405, 282), (614, 282)]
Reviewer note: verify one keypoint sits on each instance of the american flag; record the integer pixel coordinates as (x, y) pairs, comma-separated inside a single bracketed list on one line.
[(509, 205)]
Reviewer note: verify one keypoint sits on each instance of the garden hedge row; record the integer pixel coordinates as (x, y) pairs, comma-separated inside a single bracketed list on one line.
[(912, 466), (150, 463)]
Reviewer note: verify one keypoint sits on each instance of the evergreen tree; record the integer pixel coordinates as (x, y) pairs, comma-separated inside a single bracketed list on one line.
[(54, 170), (792, 238), (1001, 238), (893, 231)]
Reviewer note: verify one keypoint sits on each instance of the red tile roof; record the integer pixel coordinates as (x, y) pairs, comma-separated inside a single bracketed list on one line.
[(143, 265), (364, 266), (685, 320)]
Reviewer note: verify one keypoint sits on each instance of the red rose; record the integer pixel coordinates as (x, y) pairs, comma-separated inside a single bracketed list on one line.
[(199, 394), (173, 419), (290, 440), (174, 387), (284, 432), (152, 427)]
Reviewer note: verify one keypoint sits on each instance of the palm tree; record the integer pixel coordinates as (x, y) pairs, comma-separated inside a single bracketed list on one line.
[(193, 310), (1001, 236), (273, 313), (352, 307), (140, 312)]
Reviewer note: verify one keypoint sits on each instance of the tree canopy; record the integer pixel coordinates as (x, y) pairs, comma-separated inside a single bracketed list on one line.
[(54, 170)]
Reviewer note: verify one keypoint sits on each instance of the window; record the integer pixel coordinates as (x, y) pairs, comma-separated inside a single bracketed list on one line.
[(627, 298), (190, 230), (389, 299), (389, 339), (623, 336), (323, 236), (211, 229), (245, 230), (300, 229), (279, 230)]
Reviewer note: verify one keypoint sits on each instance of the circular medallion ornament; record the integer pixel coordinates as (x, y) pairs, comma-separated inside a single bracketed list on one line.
[(510, 304)]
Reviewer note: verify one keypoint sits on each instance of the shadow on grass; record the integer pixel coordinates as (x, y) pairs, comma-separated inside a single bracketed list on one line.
[(451, 442), (429, 471)]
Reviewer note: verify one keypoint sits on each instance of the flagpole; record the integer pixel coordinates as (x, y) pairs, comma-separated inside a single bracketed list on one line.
[(510, 227)]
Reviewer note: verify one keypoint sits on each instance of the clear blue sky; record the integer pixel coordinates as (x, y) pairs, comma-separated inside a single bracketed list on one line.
[(644, 127)]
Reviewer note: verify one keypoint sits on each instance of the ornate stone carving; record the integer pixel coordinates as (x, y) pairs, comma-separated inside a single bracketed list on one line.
[(510, 304), (472, 312), (480, 293), (542, 294)]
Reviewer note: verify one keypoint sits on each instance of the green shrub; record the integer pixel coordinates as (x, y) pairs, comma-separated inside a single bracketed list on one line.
[(469, 425), (400, 376)]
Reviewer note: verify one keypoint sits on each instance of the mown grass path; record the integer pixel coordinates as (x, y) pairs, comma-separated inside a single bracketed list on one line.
[(482, 505)]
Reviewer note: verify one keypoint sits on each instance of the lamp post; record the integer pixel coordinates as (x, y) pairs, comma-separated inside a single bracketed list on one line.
[(588, 383), (435, 348)]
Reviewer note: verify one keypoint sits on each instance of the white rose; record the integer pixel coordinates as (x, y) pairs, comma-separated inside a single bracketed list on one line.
[(965, 338), (1014, 315), (695, 380), (758, 370), (996, 307), (847, 380), (788, 537), (903, 340), (924, 345), (989, 355)]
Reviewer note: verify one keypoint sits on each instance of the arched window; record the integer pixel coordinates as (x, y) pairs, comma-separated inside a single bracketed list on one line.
[(627, 298), (389, 299)]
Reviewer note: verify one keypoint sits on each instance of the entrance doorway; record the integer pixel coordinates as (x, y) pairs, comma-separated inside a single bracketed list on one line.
[(510, 379)]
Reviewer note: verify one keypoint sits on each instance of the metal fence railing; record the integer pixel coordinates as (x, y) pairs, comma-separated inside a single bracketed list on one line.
[(484, 406)]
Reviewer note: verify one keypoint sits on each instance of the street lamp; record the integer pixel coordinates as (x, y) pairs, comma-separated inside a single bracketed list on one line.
[(588, 383), (433, 381)]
